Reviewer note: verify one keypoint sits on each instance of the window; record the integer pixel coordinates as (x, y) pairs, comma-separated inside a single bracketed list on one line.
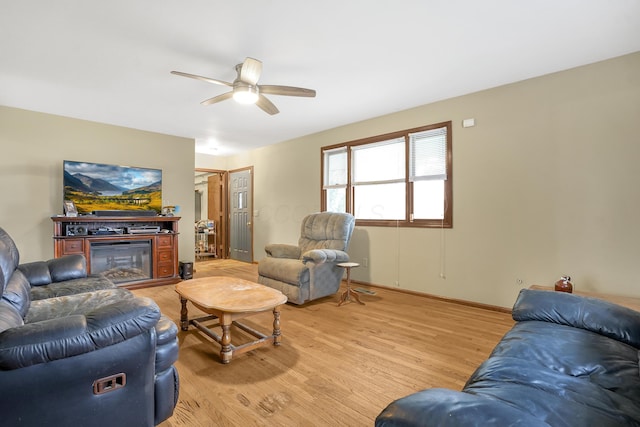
[(399, 179), (335, 179), (378, 191)]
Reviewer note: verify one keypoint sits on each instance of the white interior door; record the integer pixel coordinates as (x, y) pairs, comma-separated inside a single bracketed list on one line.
[(240, 203)]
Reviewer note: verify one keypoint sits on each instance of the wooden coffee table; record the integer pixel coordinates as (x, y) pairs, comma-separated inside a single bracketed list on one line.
[(229, 299)]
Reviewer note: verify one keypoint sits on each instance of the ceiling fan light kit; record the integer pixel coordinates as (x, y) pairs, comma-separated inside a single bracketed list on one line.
[(244, 93), (246, 90)]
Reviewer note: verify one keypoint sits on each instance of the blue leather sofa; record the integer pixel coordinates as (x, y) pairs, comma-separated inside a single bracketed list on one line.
[(568, 361), (61, 276), (97, 357)]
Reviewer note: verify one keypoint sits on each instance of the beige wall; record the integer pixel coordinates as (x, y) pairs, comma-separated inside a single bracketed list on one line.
[(544, 185), (34, 146)]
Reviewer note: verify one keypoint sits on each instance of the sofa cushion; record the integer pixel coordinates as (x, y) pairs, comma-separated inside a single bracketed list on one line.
[(93, 282), (70, 305), (326, 230), (295, 294), (553, 396), (67, 267), (574, 352), (448, 408), (36, 272), (596, 315), (292, 271)]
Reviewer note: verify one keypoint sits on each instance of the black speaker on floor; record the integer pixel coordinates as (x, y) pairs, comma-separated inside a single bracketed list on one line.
[(186, 270)]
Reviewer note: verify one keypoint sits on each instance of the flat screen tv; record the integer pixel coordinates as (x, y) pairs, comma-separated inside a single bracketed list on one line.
[(96, 187)]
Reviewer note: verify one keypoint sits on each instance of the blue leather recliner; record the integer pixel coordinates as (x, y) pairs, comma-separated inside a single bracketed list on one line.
[(99, 357)]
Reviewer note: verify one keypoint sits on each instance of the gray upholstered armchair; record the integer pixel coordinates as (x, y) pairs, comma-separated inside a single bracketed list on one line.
[(309, 271)]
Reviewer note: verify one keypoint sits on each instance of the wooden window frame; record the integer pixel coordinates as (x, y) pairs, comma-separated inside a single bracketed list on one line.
[(445, 222)]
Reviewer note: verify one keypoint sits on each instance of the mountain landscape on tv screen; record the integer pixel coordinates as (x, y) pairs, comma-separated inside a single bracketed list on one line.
[(94, 187)]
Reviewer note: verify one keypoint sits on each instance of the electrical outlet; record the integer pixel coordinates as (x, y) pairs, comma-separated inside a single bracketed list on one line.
[(397, 283), (365, 262)]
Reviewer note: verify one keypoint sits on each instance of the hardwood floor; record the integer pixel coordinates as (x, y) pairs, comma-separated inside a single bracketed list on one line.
[(337, 366)]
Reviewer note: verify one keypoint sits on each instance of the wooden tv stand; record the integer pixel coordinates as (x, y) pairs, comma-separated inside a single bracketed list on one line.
[(74, 235)]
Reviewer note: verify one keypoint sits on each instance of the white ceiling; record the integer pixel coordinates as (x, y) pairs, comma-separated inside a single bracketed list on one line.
[(109, 61)]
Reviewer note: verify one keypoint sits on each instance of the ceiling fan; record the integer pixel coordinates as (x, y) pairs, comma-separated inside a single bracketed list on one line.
[(246, 89)]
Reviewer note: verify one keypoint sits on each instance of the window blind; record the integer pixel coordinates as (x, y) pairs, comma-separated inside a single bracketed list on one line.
[(428, 155), (335, 168)]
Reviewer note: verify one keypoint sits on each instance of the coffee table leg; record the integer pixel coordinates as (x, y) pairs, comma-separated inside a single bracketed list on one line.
[(277, 336), (225, 352), (184, 319)]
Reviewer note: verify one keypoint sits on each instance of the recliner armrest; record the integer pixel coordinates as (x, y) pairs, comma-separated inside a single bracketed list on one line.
[(167, 344), (68, 267), (320, 256), (279, 250)]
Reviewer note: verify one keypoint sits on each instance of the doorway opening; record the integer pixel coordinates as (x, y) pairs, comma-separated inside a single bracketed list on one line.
[(224, 214), (210, 214)]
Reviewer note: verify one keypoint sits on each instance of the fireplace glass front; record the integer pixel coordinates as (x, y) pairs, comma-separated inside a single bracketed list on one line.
[(123, 260)]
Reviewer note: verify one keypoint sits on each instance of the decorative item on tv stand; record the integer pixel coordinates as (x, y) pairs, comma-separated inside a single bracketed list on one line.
[(564, 284)]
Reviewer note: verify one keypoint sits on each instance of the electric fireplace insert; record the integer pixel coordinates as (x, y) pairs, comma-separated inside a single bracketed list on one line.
[(122, 260)]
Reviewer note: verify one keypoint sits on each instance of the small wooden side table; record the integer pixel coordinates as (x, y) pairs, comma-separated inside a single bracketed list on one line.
[(346, 295)]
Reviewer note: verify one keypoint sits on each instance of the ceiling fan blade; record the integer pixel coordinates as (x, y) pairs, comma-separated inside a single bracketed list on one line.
[(218, 98), (266, 105), (287, 91), (204, 79), (250, 71)]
